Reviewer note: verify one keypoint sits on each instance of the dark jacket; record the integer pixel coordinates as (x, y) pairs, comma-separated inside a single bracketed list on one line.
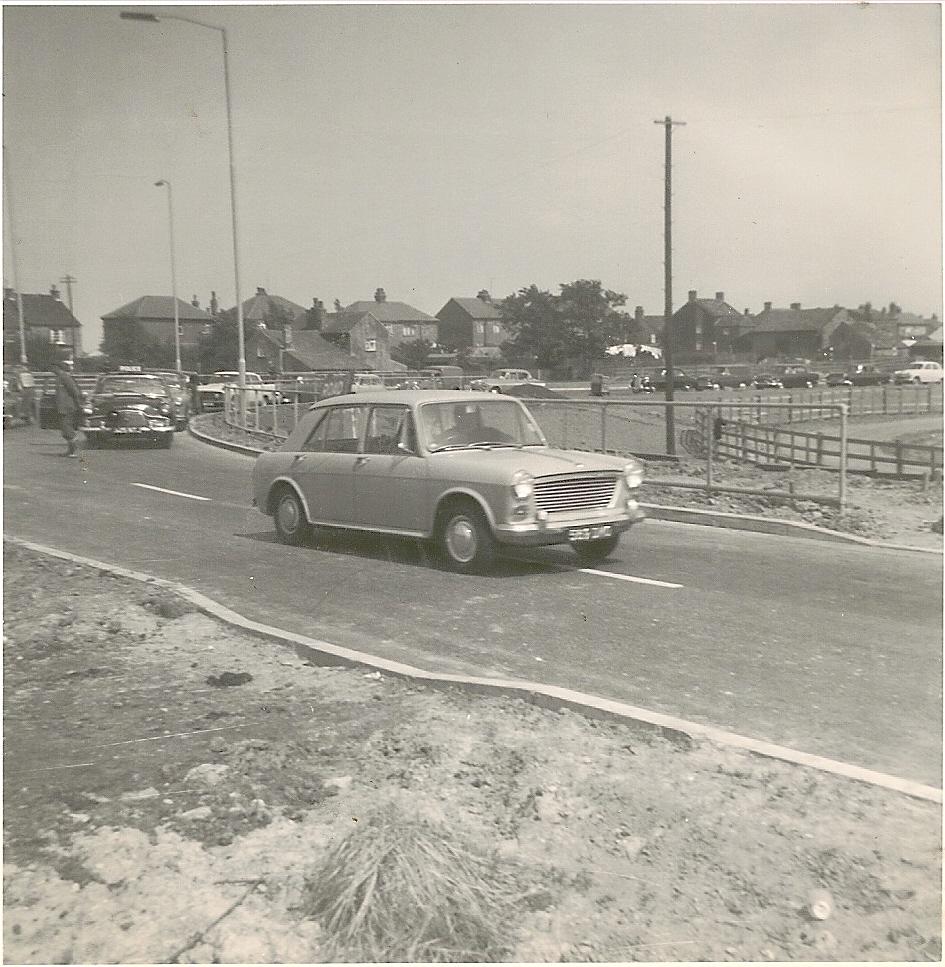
[(68, 395)]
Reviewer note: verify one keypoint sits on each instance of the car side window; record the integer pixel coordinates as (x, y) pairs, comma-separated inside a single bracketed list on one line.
[(344, 427), (315, 441), (388, 426)]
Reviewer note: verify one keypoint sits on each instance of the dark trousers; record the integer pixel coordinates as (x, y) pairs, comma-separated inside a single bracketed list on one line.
[(68, 425)]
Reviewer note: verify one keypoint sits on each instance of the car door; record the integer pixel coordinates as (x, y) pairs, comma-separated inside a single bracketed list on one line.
[(324, 466), (390, 491)]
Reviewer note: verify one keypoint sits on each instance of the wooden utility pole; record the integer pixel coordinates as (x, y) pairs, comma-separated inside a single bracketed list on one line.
[(668, 123), (68, 282)]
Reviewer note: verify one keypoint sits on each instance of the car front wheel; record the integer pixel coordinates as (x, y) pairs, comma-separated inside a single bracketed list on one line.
[(291, 524), (594, 552), (465, 539)]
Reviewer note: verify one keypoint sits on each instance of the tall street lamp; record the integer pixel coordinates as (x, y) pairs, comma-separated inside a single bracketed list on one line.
[(16, 279), (164, 183), (153, 18)]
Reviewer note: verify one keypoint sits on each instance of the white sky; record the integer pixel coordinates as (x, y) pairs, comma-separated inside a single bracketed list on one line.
[(435, 150)]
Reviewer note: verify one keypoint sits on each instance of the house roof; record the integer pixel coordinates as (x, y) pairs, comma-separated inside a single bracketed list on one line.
[(883, 333), (346, 321), (158, 307), (477, 308), (387, 312), (311, 351), (38, 310), (649, 323), (259, 307), (794, 320), (716, 308)]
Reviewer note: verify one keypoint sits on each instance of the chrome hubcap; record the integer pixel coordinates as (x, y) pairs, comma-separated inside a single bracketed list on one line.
[(288, 515), (461, 539)]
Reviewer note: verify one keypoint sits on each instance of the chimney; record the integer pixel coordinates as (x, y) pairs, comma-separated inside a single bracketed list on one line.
[(638, 313), (719, 296), (287, 335), (54, 292), (260, 290), (317, 314), (693, 295), (195, 302), (380, 295), (767, 307), (483, 295), (214, 305), (747, 313), (796, 306)]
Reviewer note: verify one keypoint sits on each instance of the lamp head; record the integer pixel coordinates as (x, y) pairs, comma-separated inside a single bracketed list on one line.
[(160, 184), (131, 15)]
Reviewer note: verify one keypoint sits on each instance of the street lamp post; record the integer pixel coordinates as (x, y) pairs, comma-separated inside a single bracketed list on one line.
[(164, 183), (16, 279), (154, 18)]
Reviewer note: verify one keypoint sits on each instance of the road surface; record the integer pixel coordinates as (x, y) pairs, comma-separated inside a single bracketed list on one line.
[(826, 648)]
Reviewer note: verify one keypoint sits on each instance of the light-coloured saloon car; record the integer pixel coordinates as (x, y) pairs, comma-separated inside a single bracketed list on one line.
[(470, 471)]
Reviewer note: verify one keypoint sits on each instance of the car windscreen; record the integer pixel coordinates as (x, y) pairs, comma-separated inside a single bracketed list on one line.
[(460, 424), (131, 385)]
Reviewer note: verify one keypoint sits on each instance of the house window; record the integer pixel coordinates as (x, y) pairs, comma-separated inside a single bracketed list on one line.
[(56, 335), (480, 328), (180, 329), (370, 345), (698, 329), (205, 329), (496, 329), (409, 330), (698, 345)]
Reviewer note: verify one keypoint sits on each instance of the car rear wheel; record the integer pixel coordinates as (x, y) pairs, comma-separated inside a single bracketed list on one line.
[(465, 539), (916, 380), (291, 524), (593, 552)]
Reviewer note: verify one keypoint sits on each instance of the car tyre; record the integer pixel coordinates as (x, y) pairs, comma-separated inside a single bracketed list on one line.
[(496, 389), (594, 552), (916, 380), (465, 540), (291, 524)]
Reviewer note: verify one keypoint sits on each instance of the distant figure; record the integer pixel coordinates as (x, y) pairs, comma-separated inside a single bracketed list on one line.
[(69, 401), (193, 381)]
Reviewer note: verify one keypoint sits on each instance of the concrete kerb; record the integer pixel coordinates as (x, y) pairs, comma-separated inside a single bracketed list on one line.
[(677, 730), (686, 515)]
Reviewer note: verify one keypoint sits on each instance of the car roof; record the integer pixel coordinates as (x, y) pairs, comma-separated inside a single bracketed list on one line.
[(131, 376), (414, 396)]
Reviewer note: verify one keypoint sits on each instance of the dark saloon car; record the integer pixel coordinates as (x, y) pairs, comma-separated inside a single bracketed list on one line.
[(837, 379), (767, 381), (681, 380), (865, 375), (471, 472), (130, 408)]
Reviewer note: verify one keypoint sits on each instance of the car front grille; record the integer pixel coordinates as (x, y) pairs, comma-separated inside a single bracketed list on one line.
[(126, 418), (560, 495)]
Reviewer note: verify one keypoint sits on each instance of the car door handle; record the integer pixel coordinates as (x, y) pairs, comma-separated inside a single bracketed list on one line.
[(360, 460)]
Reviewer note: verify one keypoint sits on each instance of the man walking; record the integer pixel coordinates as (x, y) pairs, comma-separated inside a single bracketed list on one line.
[(68, 403)]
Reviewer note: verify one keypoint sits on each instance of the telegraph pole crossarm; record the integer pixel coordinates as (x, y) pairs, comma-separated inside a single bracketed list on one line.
[(668, 123)]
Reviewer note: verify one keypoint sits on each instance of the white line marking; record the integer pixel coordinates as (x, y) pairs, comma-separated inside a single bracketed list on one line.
[(629, 577), (175, 493)]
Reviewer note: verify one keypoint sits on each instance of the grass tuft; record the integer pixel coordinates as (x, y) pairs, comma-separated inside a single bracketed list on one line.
[(403, 890)]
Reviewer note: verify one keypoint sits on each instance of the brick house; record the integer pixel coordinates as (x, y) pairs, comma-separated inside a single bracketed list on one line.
[(795, 333), (263, 307), (706, 328), (403, 322), (645, 330), (155, 315), (474, 324), (44, 317), (363, 336), (288, 350)]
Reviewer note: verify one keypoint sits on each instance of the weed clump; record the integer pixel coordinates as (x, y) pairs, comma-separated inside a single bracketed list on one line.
[(398, 889)]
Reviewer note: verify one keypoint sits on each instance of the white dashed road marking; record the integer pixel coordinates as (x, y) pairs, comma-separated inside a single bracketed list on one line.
[(629, 577), (175, 493)]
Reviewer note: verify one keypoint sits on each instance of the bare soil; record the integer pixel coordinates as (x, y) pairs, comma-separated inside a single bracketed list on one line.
[(175, 791)]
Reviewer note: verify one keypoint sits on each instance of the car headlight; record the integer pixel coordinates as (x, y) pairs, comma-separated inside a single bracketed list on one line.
[(523, 484), (632, 475)]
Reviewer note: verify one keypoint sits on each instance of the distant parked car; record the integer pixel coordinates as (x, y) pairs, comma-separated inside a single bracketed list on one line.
[(469, 471), (447, 377), (706, 383), (211, 395), (501, 379), (681, 380), (921, 371), (865, 375), (366, 382), (837, 379), (798, 377), (766, 381)]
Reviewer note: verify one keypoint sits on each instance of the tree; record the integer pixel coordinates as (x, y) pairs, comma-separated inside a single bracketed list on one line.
[(129, 343), (413, 353), (557, 330)]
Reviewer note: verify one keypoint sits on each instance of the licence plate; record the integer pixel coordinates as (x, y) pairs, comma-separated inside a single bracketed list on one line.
[(590, 533)]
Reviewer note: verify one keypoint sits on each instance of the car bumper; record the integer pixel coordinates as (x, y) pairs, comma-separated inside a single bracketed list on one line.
[(537, 533), (128, 434)]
